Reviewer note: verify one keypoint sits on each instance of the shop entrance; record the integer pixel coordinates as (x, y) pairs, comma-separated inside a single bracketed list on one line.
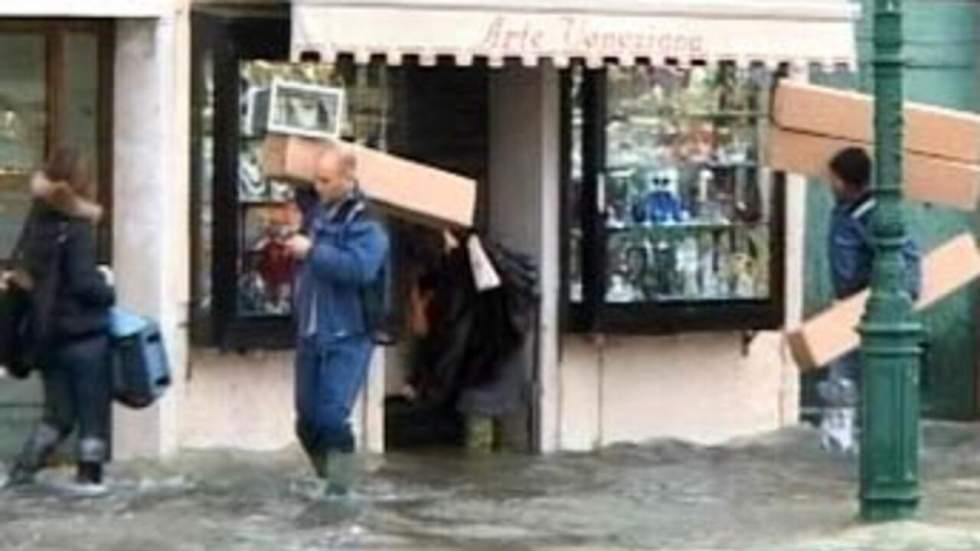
[(53, 90), (457, 378)]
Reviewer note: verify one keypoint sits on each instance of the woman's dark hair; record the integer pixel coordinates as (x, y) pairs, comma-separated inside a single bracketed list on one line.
[(67, 164), (853, 166)]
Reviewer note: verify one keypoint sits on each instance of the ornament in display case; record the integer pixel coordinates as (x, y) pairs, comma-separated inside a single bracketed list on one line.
[(252, 185), (744, 268), (620, 292), (710, 286), (663, 203), (687, 265)]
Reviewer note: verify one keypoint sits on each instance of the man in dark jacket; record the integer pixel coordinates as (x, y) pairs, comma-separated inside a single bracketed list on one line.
[(342, 254), (71, 297), (851, 252)]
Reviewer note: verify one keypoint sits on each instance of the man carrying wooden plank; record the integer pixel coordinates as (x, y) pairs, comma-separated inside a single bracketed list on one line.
[(851, 255)]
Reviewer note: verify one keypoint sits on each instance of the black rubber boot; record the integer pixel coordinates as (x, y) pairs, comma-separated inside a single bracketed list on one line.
[(341, 475), (316, 457), (92, 452), (88, 482), (89, 473)]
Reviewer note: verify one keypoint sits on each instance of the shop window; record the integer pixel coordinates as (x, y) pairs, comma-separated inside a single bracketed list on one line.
[(672, 223), (55, 88), (242, 274)]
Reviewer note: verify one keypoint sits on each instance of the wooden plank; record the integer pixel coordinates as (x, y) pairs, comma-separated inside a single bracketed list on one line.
[(407, 189), (927, 179), (932, 131), (832, 333)]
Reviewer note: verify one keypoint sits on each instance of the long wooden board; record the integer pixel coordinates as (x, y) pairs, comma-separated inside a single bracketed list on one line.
[(927, 179), (932, 131), (833, 333)]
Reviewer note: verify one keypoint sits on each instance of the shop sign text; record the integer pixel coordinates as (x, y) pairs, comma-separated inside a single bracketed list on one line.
[(581, 36)]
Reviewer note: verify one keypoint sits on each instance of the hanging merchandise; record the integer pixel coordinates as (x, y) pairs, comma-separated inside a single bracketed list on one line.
[(485, 277), (471, 357)]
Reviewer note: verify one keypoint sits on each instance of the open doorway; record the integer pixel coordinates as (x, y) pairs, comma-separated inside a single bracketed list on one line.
[(461, 376)]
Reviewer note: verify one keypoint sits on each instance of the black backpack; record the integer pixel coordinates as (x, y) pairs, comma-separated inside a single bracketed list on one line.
[(380, 317)]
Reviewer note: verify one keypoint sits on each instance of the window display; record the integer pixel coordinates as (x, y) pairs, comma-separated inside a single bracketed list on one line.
[(275, 96), (684, 215), (243, 278), (310, 99)]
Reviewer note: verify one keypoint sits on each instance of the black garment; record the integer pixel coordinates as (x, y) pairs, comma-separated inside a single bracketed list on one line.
[(79, 295), (70, 303), (474, 357)]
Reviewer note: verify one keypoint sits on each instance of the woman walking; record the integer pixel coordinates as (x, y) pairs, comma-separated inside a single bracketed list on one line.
[(71, 297)]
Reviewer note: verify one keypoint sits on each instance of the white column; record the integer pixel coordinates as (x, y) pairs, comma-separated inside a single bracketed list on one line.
[(151, 252), (795, 288), (524, 202)]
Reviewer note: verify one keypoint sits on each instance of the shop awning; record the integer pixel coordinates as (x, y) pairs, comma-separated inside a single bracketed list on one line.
[(625, 31)]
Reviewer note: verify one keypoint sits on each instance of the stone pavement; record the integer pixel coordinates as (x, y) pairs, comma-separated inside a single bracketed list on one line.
[(774, 492)]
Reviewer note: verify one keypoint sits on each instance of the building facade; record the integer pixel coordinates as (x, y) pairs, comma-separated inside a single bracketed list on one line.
[(556, 104)]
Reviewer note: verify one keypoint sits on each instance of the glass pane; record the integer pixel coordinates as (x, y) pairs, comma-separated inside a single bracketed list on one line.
[(203, 179), (686, 203), (81, 95), (23, 123), (576, 176)]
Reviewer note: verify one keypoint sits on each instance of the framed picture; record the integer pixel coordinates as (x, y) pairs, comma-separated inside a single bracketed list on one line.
[(255, 111), (306, 110)]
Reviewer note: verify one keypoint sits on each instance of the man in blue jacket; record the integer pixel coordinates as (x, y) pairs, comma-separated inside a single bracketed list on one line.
[(342, 251), (851, 252)]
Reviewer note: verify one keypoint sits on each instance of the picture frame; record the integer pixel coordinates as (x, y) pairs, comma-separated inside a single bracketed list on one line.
[(306, 110), (255, 111)]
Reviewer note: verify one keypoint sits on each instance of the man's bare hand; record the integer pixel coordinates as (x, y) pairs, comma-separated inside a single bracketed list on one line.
[(299, 246)]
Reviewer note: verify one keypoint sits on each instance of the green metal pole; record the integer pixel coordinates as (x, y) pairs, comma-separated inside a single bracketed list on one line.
[(890, 331)]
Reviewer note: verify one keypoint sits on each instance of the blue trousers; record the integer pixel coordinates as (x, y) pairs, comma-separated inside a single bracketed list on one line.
[(77, 394), (328, 380)]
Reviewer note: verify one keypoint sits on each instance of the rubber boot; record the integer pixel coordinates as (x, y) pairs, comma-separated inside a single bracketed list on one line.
[(92, 452), (837, 431), (88, 481), (39, 446), (479, 434), (318, 461), (317, 457), (341, 474)]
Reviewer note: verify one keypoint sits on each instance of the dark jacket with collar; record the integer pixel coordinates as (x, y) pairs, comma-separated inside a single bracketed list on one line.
[(851, 249), (71, 296), (349, 251)]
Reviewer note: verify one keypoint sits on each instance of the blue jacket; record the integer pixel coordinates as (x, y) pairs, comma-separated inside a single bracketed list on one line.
[(349, 250), (851, 250)]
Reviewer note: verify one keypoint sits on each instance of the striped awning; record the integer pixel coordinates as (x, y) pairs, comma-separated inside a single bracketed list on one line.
[(624, 31)]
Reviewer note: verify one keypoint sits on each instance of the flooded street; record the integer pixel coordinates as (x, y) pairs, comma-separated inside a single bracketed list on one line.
[(774, 492)]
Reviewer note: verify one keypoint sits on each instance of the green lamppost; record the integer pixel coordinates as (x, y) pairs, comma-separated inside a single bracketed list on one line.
[(890, 331)]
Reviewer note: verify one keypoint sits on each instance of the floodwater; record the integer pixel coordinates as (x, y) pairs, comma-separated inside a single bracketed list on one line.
[(774, 492)]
